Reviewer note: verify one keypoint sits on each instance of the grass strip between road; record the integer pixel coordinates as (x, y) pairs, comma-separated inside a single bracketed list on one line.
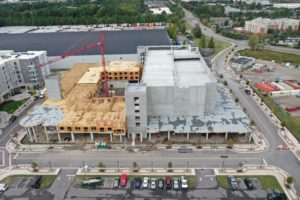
[(11, 106), (266, 182), (192, 180), (278, 57), (47, 180)]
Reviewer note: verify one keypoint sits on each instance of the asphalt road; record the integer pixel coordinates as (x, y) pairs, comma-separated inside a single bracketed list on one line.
[(283, 159)]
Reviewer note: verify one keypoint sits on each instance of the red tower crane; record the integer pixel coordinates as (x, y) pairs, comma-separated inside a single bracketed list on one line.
[(99, 43)]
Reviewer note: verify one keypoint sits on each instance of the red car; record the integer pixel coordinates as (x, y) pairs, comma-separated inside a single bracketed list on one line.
[(123, 180), (168, 182)]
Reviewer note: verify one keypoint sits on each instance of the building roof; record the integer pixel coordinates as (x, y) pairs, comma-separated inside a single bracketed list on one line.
[(172, 66), (8, 55), (57, 44)]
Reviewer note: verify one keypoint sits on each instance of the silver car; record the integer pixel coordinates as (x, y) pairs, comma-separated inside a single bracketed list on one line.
[(176, 183)]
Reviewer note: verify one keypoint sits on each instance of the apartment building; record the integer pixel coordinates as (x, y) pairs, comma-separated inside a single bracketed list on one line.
[(18, 70), (262, 25)]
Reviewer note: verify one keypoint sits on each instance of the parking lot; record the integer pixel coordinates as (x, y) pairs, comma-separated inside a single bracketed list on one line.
[(67, 187)]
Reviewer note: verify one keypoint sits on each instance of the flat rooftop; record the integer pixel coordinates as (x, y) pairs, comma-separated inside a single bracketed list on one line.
[(175, 67), (59, 43), (228, 117), (7, 55)]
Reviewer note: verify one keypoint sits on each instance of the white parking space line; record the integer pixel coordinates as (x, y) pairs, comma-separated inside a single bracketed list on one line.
[(58, 178), (211, 178), (265, 162), (200, 179)]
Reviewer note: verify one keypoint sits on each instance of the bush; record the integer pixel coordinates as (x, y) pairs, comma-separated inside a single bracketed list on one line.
[(290, 180), (101, 166)]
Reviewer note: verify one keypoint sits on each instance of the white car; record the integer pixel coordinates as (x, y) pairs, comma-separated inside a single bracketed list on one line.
[(145, 182), (3, 187), (184, 183)]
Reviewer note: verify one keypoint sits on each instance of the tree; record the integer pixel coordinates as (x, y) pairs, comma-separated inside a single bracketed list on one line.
[(135, 165), (34, 166), (298, 45), (229, 143), (182, 28), (211, 43), (253, 41), (225, 83), (172, 31), (197, 31), (202, 42), (170, 165), (236, 100), (252, 123), (289, 180), (101, 166)]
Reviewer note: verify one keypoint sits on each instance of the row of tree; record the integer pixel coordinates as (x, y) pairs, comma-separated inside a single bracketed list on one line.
[(70, 13)]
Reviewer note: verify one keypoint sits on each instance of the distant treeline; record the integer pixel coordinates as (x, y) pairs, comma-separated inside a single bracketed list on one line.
[(77, 12)]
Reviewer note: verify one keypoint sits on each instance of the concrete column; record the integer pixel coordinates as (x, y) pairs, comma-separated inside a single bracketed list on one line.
[(45, 129), (121, 139), (58, 135), (188, 136), (206, 138), (226, 135), (73, 137), (29, 134), (141, 136), (250, 137), (92, 136), (110, 136), (133, 138), (34, 134), (168, 134)]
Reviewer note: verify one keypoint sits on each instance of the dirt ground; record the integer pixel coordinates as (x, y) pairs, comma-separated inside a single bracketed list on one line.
[(280, 71)]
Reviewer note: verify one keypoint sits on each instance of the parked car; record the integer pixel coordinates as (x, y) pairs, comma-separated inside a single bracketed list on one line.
[(273, 195), (123, 180), (184, 183), (3, 187), (35, 98), (36, 183), (233, 182), (153, 184), (91, 182), (160, 183), (248, 183), (145, 182), (116, 182), (176, 183), (137, 183), (12, 119), (168, 182)]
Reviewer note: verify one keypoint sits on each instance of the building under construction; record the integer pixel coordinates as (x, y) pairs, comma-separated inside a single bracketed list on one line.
[(76, 103), (168, 90)]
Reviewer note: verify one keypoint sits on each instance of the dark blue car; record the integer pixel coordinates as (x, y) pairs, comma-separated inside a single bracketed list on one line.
[(137, 183)]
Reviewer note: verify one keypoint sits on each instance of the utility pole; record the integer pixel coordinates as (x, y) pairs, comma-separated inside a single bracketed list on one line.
[(187, 166), (151, 166), (16, 163), (50, 165)]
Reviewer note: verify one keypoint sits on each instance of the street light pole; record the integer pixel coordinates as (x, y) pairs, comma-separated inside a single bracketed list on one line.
[(187, 166), (151, 166), (50, 165)]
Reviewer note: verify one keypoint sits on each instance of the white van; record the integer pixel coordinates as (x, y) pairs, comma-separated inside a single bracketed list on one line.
[(3, 187)]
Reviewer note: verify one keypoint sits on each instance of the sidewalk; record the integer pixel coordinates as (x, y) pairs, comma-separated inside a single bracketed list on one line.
[(249, 170), (26, 170)]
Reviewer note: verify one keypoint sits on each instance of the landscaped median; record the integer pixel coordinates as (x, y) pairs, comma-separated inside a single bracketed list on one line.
[(270, 177), (8, 176)]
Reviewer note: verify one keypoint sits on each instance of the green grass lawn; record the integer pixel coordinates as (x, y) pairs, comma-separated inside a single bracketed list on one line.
[(11, 106), (191, 179), (292, 123), (278, 57), (219, 45), (47, 180), (267, 182)]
